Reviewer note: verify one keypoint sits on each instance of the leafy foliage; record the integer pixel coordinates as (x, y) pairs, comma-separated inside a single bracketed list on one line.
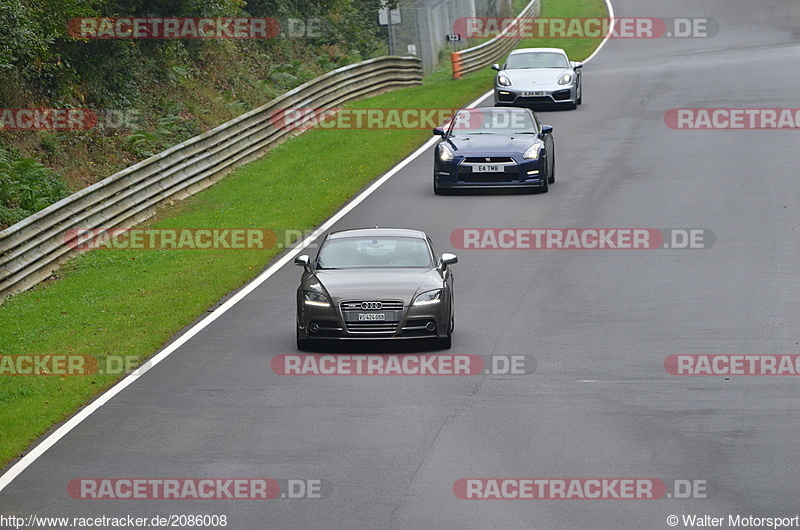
[(26, 187)]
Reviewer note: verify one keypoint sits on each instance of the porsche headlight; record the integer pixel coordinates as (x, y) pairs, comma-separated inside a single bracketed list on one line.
[(565, 79), (445, 154), (428, 298), (315, 299), (533, 151), (503, 80)]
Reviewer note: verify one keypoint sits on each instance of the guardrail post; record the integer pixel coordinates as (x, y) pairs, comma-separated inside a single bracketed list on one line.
[(455, 57)]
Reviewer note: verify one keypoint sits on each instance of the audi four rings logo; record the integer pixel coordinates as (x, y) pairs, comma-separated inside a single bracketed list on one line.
[(371, 305)]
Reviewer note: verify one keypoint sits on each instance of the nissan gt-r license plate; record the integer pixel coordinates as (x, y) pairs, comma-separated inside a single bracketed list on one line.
[(487, 168), (534, 93), (371, 316)]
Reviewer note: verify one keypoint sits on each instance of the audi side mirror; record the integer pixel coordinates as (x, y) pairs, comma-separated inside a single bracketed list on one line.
[(449, 259)]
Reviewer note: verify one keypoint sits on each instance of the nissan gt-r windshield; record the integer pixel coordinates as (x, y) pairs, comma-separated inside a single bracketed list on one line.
[(506, 122), (521, 61), (374, 252)]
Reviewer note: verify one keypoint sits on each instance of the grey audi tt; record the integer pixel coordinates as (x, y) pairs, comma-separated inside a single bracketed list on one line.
[(375, 283)]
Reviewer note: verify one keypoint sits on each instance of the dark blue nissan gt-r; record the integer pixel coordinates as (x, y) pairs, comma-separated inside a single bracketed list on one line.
[(491, 148)]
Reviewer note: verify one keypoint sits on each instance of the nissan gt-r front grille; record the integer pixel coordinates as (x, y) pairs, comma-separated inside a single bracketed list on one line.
[(489, 160), (487, 177)]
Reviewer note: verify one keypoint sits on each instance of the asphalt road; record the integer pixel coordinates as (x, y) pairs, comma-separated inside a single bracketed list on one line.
[(598, 324)]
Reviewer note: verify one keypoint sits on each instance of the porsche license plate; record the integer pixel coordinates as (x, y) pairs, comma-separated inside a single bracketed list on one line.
[(371, 316), (534, 93), (487, 168)]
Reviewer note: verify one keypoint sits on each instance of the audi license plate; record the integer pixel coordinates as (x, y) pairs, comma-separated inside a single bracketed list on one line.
[(534, 93), (371, 316), (487, 168)]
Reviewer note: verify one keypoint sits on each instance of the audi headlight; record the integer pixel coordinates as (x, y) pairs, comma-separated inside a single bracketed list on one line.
[(503, 80), (445, 154), (533, 151), (428, 298), (315, 299), (565, 79)]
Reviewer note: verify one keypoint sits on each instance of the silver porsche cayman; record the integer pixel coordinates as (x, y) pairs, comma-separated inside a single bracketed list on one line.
[(538, 77)]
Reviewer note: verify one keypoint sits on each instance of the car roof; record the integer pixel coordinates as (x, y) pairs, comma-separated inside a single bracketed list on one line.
[(529, 50), (375, 232)]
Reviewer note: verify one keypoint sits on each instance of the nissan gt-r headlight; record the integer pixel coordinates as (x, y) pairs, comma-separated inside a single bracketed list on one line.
[(428, 298), (565, 79), (533, 151), (445, 154), (313, 299), (503, 80)]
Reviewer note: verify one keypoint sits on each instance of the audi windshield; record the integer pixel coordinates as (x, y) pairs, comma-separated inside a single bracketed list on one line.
[(375, 252)]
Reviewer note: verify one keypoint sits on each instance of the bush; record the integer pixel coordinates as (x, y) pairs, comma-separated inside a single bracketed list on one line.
[(26, 187)]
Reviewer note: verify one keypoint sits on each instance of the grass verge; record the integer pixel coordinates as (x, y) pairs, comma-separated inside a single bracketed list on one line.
[(125, 304)]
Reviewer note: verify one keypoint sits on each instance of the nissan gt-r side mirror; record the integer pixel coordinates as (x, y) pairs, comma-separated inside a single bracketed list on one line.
[(547, 129), (576, 65), (438, 131), (303, 260), (496, 67), (448, 259)]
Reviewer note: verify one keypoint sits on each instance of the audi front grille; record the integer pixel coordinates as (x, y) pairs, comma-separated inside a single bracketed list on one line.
[(372, 305), (387, 326)]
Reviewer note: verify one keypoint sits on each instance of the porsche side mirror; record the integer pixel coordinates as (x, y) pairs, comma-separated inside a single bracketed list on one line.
[(303, 260), (438, 131), (576, 64), (547, 129), (496, 67)]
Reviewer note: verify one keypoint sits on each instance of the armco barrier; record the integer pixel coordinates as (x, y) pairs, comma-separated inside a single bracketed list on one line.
[(490, 52), (33, 248)]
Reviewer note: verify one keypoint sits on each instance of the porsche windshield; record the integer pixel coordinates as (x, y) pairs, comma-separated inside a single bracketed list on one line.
[(519, 61), (375, 252)]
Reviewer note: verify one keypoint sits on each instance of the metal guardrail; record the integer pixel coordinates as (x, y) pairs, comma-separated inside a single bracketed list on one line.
[(33, 248), (490, 52)]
